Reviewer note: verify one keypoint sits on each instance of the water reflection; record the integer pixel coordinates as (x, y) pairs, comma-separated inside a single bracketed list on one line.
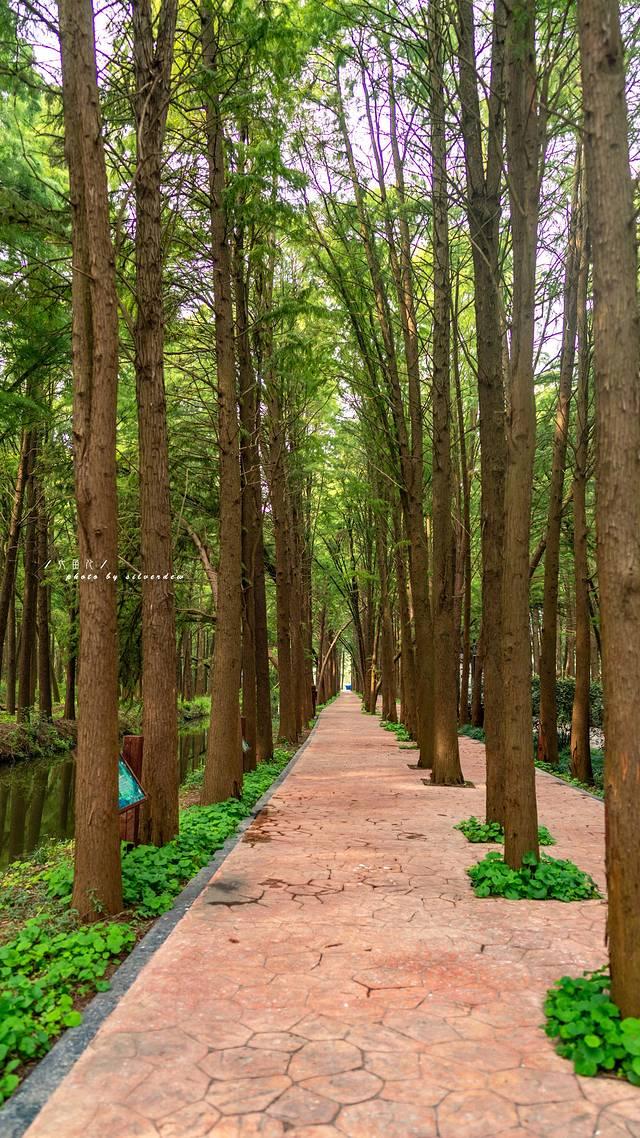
[(37, 799)]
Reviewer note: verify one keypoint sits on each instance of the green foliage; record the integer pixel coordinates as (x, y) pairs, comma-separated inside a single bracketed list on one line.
[(399, 730), (153, 876), (476, 831), (471, 732), (41, 973), (565, 692), (563, 770), (589, 1029), (51, 963), (550, 879), (196, 708)]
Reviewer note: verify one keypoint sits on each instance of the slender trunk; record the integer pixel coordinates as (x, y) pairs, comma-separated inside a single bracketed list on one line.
[(483, 213), (580, 716), (27, 654), (616, 333), (523, 160), (446, 759), (153, 60), (548, 733), (223, 768), (44, 640), (11, 551), (97, 887), (11, 656), (70, 672), (249, 519)]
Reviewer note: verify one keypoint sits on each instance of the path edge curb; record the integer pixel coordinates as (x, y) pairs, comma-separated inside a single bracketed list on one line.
[(24, 1106)]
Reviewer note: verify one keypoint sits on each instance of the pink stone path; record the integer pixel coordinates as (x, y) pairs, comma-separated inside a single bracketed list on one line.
[(356, 987)]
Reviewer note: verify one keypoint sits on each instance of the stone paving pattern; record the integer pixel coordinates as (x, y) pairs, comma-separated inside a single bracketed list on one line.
[(338, 977)]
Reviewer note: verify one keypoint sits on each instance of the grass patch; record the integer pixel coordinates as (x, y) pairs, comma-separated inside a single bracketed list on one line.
[(49, 963), (549, 879), (476, 831), (589, 1030)]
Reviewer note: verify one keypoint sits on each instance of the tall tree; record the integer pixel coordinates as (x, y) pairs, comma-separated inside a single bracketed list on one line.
[(223, 768), (153, 56), (523, 164), (548, 732), (616, 334), (97, 885), (483, 197)]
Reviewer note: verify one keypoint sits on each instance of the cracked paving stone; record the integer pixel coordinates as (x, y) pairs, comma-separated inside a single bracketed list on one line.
[(244, 1062), (346, 1087), (244, 1096), (380, 1119), (328, 1057), (298, 1106), (337, 978)]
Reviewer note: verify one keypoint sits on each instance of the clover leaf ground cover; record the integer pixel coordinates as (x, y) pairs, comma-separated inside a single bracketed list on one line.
[(589, 1030), (546, 879), (476, 831), (49, 963)]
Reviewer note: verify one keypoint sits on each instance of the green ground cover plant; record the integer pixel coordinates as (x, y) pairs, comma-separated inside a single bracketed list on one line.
[(399, 730), (589, 1030), (547, 879), (48, 963), (476, 831)]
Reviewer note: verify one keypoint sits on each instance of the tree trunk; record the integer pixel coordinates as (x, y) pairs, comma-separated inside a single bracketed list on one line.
[(580, 716), (617, 361), (70, 673), (249, 519), (223, 768), (548, 732), (11, 656), (44, 641), (523, 160), (27, 655), (446, 759), (97, 887), (153, 60), (7, 588)]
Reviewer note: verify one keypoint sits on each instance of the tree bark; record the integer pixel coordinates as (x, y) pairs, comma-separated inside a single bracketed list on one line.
[(446, 759), (97, 887), (580, 715), (44, 640), (7, 588), (153, 56), (27, 660), (483, 213), (616, 334), (523, 161), (223, 767), (548, 732)]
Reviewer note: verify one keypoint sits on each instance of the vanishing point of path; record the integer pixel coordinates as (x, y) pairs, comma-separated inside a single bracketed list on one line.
[(339, 978)]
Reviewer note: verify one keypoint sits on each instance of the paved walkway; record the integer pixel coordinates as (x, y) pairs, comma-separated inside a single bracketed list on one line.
[(339, 978)]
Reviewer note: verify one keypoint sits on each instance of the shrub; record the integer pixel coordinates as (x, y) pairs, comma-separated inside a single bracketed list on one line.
[(549, 879), (476, 831), (589, 1029)]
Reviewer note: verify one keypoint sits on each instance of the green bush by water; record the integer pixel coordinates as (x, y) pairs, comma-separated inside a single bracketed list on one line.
[(589, 1029), (549, 879)]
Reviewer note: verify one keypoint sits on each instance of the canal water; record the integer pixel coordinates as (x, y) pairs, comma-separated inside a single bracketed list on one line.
[(36, 796)]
